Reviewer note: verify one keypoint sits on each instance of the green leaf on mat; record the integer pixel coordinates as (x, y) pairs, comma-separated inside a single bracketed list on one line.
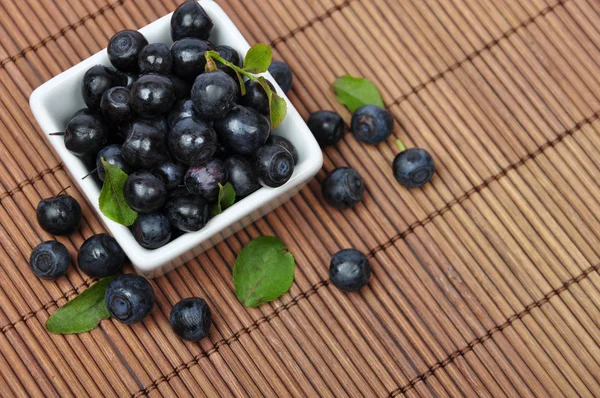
[(225, 200), (83, 313), (263, 271), (355, 92), (111, 201), (258, 58)]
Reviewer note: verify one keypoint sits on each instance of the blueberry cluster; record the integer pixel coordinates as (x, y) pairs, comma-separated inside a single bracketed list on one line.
[(178, 131)]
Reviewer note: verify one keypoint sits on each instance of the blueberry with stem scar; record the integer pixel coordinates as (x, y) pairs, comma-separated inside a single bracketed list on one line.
[(123, 50), (343, 188), (372, 124), (50, 260), (349, 270), (413, 167), (129, 298)]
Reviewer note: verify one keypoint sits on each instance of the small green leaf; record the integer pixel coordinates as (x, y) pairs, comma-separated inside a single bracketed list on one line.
[(277, 105), (112, 202), (226, 199), (83, 313), (355, 92), (263, 271), (258, 58)]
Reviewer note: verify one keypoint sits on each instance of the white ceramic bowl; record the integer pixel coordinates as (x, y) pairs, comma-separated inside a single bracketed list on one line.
[(54, 103)]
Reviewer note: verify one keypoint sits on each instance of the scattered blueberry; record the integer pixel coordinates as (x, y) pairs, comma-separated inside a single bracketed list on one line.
[(96, 81), (192, 141), (60, 215), (282, 74), (204, 180), (50, 260), (285, 143), (144, 192), (152, 95), (328, 127), (155, 58), (181, 110), (343, 188), (152, 230), (145, 146), (214, 94), (273, 165), (241, 175), (188, 57), (256, 97), (413, 167), (191, 318), (171, 174), (349, 270), (190, 20), (123, 50), (112, 155), (100, 256), (231, 55), (116, 105), (86, 134), (372, 124), (129, 298), (243, 130), (187, 213)]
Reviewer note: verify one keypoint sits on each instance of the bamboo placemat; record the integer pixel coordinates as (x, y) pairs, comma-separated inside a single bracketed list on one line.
[(485, 282)]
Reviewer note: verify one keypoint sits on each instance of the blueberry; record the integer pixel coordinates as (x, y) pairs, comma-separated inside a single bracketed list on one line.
[(285, 143), (273, 165), (152, 230), (343, 188), (123, 50), (187, 213), (241, 176), (96, 81), (190, 20), (183, 89), (171, 174), (181, 110), (160, 122), (243, 130), (191, 318), (129, 298), (188, 57), (100, 256), (349, 270), (116, 105), (372, 124), (50, 260), (328, 127), (155, 58), (145, 146), (152, 95), (86, 134), (204, 180), (192, 141), (144, 192), (112, 155), (282, 74), (231, 55), (413, 167), (256, 97), (214, 94), (60, 215)]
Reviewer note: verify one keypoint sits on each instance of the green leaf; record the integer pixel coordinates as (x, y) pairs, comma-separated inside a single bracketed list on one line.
[(277, 105), (112, 202), (355, 92), (263, 271), (83, 313), (258, 58), (226, 199)]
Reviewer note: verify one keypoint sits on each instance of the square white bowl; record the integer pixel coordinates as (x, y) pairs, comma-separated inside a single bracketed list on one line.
[(54, 103)]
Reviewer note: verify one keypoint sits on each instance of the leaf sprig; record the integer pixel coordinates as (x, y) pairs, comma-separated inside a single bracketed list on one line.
[(257, 60)]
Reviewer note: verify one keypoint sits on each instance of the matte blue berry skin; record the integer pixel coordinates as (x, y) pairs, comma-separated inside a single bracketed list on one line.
[(191, 318), (129, 298), (343, 188), (328, 127), (50, 260), (372, 124), (349, 270), (282, 74), (413, 167)]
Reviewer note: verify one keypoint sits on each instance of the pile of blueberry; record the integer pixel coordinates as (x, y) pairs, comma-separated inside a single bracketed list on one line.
[(177, 131), (129, 298)]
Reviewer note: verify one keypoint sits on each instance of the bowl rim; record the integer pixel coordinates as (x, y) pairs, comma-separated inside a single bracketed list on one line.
[(145, 260)]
